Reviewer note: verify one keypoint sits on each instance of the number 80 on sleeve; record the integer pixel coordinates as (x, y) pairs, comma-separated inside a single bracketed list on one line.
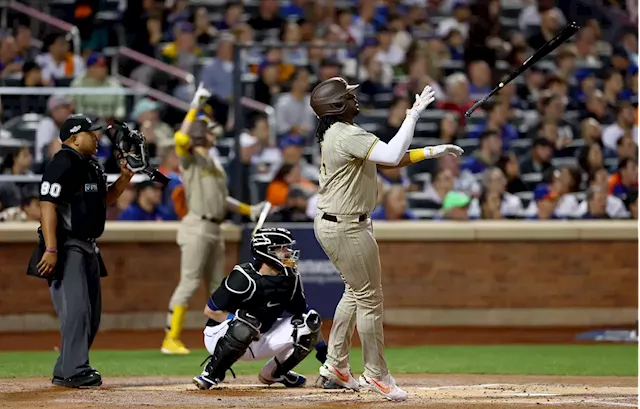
[(51, 189)]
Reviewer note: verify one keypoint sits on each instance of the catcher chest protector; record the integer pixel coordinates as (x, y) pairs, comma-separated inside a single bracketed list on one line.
[(305, 338)]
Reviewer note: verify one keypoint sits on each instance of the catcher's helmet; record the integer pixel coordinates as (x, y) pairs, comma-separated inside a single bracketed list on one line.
[(273, 246), (329, 97)]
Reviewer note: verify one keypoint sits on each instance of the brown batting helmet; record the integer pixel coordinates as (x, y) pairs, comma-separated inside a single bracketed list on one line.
[(329, 97)]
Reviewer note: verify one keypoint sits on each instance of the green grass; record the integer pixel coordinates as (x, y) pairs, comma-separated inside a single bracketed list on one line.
[(603, 360)]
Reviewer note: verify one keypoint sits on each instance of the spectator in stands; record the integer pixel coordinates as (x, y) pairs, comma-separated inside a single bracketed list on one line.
[(257, 148), (59, 107), (497, 118), (585, 42), (291, 35), (479, 79), (397, 113), (124, 201), (147, 205), (620, 60), (16, 163), (596, 204), (545, 203), (288, 175), (157, 133), (553, 108), (508, 164), (377, 83), (626, 148), (104, 106), (494, 182), (528, 93), (328, 68), (629, 42), (204, 31), (530, 15), (539, 158), (58, 62), (394, 206), (613, 85), (598, 109), (267, 86), (484, 42), (217, 76), (615, 207), (625, 125), (267, 23), (488, 153), (388, 52), (457, 99), (549, 26), (590, 158), (566, 183), (292, 147), (449, 130), (591, 131), (586, 86), (489, 204), (396, 177), (558, 86), (183, 52), (26, 50), (232, 15), (295, 208), (625, 179), (565, 61), (417, 78), (178, 13), (463, 180), (401, 36), (28, 211), (631, 203), (441, 184), (10, 61), (455, 45), (293, 110), (459, 21), (455, 206), (32, 75)]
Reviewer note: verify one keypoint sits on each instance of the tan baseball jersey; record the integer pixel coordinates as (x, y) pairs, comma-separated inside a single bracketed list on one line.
[(348, 182), (205, 185)]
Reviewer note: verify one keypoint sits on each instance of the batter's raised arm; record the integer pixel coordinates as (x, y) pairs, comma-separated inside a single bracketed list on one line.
[(390, 154)]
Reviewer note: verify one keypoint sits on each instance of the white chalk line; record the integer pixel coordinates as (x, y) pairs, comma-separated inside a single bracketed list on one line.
[(598, 402), (482, 385)]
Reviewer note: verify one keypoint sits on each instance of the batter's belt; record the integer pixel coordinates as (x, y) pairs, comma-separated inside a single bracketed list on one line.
[(335, 219)]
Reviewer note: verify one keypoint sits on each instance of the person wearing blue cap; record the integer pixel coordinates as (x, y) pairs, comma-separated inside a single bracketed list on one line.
[(546, 200), (292, 147), (105, 106)]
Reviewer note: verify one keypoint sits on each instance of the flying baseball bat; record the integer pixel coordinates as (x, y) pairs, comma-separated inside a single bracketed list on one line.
[(551, 45), (263, 216)]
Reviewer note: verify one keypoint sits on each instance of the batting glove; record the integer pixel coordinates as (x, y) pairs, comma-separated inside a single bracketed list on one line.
[(438, 151), (255, 211), (422, 102), (200, 97)]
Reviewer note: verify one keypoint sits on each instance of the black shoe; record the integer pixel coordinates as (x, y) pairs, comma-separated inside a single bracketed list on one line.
[(87, 378)]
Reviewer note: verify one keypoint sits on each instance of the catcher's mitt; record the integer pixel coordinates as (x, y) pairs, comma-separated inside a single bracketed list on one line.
[(132, 147)]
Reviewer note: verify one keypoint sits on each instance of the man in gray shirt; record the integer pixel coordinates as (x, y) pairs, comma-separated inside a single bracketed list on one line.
[(293, 110)]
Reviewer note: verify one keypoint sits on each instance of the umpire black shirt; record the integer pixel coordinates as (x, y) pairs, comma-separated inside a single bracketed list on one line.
[(78, 186)]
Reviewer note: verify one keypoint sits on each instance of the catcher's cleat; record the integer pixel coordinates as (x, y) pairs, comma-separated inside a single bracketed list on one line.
[(340, 376), (386, 387), (290, 380), (172, 346), (325, 383), (204, 383)]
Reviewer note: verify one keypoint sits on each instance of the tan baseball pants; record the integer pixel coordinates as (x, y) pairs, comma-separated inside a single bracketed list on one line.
[(353, 250), (202, 247)]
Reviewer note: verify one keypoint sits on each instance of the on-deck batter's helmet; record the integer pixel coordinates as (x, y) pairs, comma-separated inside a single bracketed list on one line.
[(329, 97), (273, 246)]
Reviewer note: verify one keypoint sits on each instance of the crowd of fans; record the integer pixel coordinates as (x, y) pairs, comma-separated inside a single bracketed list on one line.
[(560, 143)]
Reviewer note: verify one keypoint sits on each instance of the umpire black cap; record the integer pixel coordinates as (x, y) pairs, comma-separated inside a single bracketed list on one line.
[(77, 123)]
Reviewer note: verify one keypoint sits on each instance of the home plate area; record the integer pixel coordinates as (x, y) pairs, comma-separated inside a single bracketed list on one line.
[(431, 391)]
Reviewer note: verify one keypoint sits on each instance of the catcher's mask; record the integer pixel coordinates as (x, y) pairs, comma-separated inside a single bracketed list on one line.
[(274, 247), (329, 97)]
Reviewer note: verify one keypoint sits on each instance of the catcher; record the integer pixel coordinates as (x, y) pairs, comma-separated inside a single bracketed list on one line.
[(199, 235), (245, 316)]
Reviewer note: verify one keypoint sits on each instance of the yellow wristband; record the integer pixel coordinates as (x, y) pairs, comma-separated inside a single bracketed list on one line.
[(417, 155), (191, 115), (244, 209)]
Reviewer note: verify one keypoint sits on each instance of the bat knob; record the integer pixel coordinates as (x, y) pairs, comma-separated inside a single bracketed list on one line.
[(467, 114)]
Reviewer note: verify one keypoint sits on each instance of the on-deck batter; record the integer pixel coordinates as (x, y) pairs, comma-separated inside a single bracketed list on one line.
[(348, 191)]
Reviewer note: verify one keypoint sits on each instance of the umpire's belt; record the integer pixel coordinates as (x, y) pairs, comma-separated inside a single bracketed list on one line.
[(334, 219), (212, 220)]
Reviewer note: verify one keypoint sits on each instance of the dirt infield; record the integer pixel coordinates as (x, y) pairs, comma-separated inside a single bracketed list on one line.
[(394, 336), (427, 391)]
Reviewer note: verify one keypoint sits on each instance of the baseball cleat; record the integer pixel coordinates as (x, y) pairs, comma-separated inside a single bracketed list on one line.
[(341, 377), (386, 387), (204, 383), (172, 346), (87, 378), (290, 380)]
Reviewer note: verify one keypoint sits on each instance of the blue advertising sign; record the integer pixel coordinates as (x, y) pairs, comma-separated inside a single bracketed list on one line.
[(323, 286)]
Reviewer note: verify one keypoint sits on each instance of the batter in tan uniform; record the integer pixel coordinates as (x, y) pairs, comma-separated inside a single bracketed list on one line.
[(199, 235), (348, 192)]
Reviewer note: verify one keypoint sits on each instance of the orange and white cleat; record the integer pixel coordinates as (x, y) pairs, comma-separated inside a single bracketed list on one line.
[(386, 387), (341, 376)]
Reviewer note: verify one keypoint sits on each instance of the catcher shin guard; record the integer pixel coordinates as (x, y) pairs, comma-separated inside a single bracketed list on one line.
[(306, 335), (242, 331)]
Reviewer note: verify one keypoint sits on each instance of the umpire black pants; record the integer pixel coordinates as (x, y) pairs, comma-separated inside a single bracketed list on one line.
[(77, 300)]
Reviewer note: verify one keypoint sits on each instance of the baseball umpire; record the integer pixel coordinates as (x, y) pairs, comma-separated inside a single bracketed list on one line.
[(348, 191), (245, 316), (199, 235), (73, 201)]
